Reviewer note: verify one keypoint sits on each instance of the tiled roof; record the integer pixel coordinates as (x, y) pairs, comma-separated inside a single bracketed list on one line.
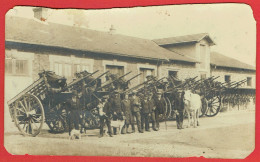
[(184, 39), (51, 34), (218, 59)]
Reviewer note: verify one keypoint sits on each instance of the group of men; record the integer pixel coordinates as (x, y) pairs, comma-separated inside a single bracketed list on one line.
[(130, 108), (133, 110)]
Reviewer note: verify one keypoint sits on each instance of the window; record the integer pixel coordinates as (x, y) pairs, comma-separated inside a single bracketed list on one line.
[(173, 74), (227, 78), (16, 67), (67, 70), (145, 72), (21, 67), (203, 76), (115, 69), (76, 68), (8, 66), (249, 81), (85, 67), (58, 68), (203, 56)]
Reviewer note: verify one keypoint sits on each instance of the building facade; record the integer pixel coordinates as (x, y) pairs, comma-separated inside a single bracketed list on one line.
[(36, 45), (231, 70)]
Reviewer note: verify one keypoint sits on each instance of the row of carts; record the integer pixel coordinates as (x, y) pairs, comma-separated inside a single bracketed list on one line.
[(45, 99)]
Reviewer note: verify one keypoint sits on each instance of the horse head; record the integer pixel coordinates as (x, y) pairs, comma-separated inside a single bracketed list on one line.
[(187, 97)]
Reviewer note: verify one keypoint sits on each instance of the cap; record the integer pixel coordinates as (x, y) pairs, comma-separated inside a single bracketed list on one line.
[(133, 92), (106, 96), (159, 92)]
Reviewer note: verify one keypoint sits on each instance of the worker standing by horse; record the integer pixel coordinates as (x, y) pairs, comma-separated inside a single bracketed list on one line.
[(179, 109), (160, 105)]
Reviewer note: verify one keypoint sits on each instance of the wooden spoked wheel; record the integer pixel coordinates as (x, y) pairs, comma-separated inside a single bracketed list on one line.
[(57, 119), (166, 103), (29, 115), (214, 105), (204, 106)]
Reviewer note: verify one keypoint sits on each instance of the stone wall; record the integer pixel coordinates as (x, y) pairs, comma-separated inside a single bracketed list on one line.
[(235, 74)]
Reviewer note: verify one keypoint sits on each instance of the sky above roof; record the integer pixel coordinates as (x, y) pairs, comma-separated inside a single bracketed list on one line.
[(231, 26)]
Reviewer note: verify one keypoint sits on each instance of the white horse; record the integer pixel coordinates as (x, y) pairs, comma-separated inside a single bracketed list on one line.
[(192, 105)]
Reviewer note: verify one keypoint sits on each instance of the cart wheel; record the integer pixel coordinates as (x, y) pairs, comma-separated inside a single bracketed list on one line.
[(204, 106), (57, 119), (213, 106), (29, 115), (162, 116)]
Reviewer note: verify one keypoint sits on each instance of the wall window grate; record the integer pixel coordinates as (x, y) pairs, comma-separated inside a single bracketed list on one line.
[(173, 74), (203, 76), (227, 78), (16, 67)]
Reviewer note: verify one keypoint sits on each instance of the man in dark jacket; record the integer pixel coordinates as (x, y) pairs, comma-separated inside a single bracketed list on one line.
[(126, 108), (116, 107), (105, 111), (178, 109), (145, 111), (135, 107), (152, 110), (160, 106), (74, 107)]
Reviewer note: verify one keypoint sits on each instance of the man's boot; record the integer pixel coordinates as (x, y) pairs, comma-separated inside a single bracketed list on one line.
[(153, 125), (127, 129), (123, 131), (133, 128), (140, 131), (181, 127), (114, 130)]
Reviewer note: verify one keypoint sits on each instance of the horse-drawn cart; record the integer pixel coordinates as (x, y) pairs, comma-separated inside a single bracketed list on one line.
[(30, 107), (43, 101)]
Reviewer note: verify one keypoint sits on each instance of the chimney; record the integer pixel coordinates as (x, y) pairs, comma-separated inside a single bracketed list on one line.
[(40, 13), (112, 30)]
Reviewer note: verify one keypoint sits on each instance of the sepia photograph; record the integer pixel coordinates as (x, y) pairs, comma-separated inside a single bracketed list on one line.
[(156, 81)]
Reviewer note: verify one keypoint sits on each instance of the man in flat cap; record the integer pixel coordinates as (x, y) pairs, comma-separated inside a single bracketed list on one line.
[(135, 107), (179, 109)]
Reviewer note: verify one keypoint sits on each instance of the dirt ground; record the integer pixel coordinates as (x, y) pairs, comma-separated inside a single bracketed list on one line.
[(227, 135)]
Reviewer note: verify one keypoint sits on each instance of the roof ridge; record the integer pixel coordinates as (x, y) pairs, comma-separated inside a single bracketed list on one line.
[(182, 36), (49, 23), (70, 37), (222, 55)]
